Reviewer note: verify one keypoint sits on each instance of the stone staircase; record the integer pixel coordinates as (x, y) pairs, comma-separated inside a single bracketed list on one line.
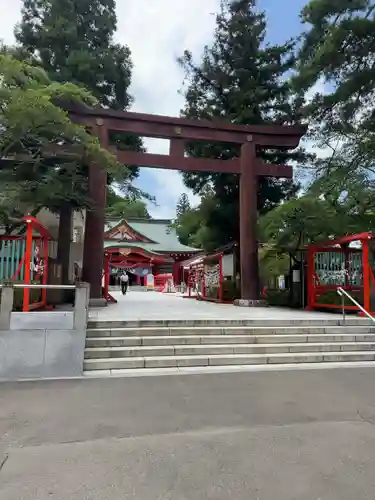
[(116, 347)]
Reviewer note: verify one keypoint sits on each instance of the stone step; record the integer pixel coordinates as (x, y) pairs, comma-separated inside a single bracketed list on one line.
[(206, 370), (174, 340), (198, 350), (334, 321), (233, 330), (226, 360)]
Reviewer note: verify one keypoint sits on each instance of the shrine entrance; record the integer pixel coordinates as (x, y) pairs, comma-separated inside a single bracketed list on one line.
[(137, 262), (252, 141)]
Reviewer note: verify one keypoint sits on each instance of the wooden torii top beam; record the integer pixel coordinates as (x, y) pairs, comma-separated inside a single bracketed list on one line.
[(183, 130)]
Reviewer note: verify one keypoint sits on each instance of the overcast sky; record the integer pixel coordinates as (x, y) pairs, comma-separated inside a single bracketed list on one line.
[(157, 32)]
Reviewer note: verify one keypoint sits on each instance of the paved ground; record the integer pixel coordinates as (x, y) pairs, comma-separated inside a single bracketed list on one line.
[(154, 305), (303, 435)]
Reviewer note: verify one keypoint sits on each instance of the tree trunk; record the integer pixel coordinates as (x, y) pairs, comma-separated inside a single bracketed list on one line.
[(64, 240)]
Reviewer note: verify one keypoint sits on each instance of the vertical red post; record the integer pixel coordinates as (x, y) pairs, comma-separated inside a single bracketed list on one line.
[(310, 278), (221, 277), (189, 281), (176, 274), (45, 269), (28, 260), (95, 219), (204, 289), (366, 275), (346, 253), (106, 276), (248, 224)]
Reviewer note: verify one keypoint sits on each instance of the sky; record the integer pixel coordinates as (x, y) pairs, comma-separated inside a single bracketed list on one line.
[(157, 32)]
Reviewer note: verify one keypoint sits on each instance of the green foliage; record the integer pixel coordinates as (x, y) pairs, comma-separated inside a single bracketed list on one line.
[(191, 225), (313, 218), (336, 205), (278, 298), (242, 80), (339, 47), (32, 129), (332, 297), (299, 222), (125, 207), (183, 205), (73, 41), (337, 53), (274, 262)]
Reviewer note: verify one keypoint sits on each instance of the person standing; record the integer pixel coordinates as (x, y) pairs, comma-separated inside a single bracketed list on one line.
[(124, 279)]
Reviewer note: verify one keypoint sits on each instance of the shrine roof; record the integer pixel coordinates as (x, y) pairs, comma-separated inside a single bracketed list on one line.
[(108, 244), (159, 233)]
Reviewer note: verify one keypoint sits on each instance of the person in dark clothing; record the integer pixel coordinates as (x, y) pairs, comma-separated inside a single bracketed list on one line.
[(124, 280)]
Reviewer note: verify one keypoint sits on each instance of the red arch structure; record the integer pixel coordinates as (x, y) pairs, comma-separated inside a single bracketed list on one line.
[(335, 264), (251, 140), (24, 258)]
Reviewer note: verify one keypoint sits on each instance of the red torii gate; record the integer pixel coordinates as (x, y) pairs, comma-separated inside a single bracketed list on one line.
[(179, 131)]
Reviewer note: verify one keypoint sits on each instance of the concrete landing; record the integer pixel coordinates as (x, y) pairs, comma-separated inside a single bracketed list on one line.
[(136, 306), (259, 436)]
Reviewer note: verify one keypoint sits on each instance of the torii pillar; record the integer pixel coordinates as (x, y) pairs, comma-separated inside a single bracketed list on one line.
[(250, 169), (181, 131), (93, 252), (248, 208)]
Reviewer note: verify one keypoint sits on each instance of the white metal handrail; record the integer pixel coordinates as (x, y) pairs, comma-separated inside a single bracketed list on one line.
[(81, 305), (343, 293)]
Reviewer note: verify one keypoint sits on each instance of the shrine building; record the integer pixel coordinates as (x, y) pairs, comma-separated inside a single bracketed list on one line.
[(143, 246)]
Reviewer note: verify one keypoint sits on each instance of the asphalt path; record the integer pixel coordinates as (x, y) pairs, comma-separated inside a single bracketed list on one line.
[(290, 435)]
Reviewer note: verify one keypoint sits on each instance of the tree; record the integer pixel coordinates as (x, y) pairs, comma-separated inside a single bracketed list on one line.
[(191, 222), (338, 48), (299, 222), (327, 211), (125, 207), (39, 144), (73, 41), (243, 80), (183, 205), (337, 52)]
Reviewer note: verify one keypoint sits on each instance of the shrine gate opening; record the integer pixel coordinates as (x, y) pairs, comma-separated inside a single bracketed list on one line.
[(180, 131)]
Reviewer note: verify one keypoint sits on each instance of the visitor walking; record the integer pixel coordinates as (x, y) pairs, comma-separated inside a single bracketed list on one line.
[(124, 279)]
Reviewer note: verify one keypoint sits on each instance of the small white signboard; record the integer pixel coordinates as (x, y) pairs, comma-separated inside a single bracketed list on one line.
[(150, 282)]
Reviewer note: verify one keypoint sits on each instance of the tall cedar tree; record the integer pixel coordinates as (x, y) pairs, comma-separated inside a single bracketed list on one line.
[(243, 80), (183, 205), (338, 50), (73, 41), (338, 46)]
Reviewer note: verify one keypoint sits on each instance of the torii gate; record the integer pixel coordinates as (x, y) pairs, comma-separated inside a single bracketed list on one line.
[(179, 131)]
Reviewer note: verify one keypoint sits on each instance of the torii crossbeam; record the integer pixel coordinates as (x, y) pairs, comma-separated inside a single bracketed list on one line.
[(180, 131)]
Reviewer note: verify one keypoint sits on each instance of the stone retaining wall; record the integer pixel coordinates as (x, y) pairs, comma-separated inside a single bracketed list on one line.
[(42, 344)]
